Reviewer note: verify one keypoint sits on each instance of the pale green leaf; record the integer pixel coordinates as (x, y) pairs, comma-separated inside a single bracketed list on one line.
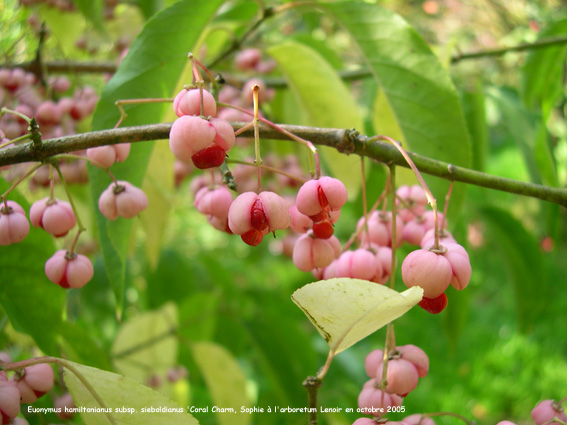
[(92, 11), (147, 344), (326, 100), (419, 90), (225, 380), (117, 392), (158, 186), (384, 122), (345, 310), (65, 27)]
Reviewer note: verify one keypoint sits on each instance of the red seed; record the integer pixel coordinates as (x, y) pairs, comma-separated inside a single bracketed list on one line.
[(434, 305), (210, 157), (252, 237), (323, 229), (258, 218)]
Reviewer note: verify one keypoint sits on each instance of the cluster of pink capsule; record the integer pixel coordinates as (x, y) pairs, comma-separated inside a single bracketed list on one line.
[(200, 138), (24, 386), (57, 217), (405, 365), (57, 113)]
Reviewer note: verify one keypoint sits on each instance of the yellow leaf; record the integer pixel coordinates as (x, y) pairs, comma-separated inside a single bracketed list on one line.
[(345, 310)]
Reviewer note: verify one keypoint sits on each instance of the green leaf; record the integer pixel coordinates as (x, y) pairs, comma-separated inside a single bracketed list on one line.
[(542, 75), (118, 392), (384, 122), (520, 255), (417, 87), (158, 186), (225, 380), (92, 11), (150, 70), (79, 346), (475, 115), (148, 7), (529, 133), (326, 100), (147, 344), (64, 27), (345, 310), (33, 304)]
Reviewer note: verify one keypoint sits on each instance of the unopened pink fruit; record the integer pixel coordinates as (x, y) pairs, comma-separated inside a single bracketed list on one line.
[(373, 359), (402, 376), (429, 270), (14, 226), (546, 410), (460, 264), (9, 401), (358, 264), (188, 102), (106, 156), (417, 419), (54, 216), (415, 356), (311, 253), (247, 59), (371, 399), (69, 271), (364, 421), (122, 199)]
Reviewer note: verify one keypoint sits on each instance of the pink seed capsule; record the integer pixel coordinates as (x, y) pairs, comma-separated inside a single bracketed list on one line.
[(188, 102), (122, 199), (106, 156), (312, 253), (14, 225), (39, 377), (248, 94), (380, 229), (247, 59), (358, 264), (373, 359), (224, 137), (371, 399), (429, 238), (317, 198), (214, 202), (402, 376), (254, 215), (37, 380), (48, 114), (69, 271), (460, 264), (417, 419), (9, 401), (300, 223), (54, 216), (364, 421), (414, 199), (429, 270), (415, 356), (546, 410), (505, 423), (189, 135), (65, 403)]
